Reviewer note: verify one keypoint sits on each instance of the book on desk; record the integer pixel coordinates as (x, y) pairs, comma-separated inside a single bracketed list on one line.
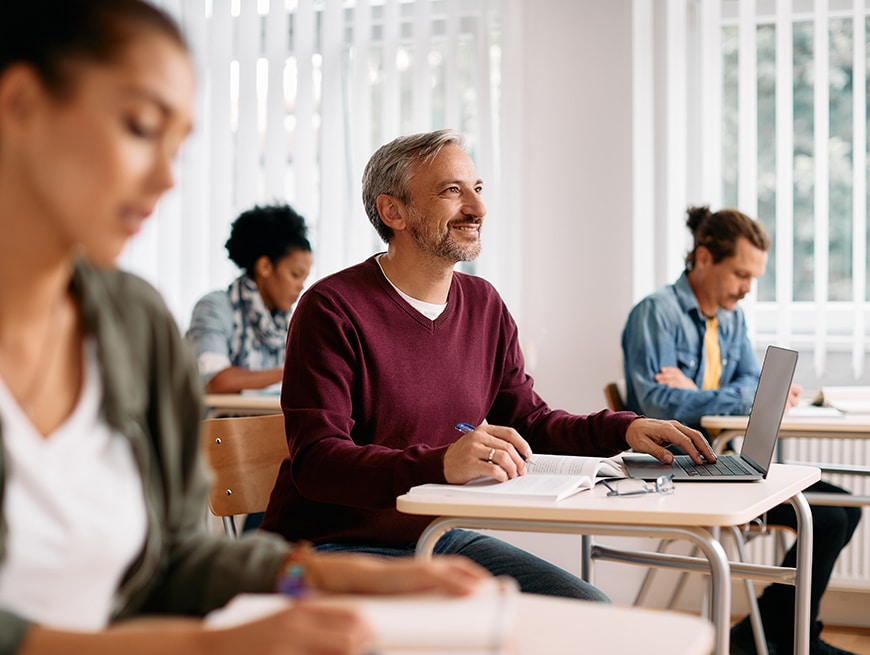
[(481, 623), (849, 400), (548, 477)]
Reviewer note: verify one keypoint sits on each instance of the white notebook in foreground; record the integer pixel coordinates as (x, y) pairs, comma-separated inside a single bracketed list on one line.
[(548, 477), (405, 624)]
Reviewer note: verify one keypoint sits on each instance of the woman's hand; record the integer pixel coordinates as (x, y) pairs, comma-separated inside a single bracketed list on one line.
[(306, 628), (367, 574)]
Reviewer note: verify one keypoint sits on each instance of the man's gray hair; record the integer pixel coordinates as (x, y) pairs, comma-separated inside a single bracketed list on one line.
[(390, 170)]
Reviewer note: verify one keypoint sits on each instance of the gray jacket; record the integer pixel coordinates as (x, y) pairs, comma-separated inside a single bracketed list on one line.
[(152, 396)]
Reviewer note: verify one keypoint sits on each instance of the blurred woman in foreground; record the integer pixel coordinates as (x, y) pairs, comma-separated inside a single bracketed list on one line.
[(101, 486)]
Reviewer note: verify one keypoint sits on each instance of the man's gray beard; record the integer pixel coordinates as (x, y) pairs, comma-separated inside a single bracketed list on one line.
[(446, 248)]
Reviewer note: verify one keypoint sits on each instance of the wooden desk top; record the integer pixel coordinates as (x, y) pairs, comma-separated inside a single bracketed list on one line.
[(242, 401), (844, 426), (691, 504)]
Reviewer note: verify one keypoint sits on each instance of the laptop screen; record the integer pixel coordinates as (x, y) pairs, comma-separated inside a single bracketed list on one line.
[(771, 397)]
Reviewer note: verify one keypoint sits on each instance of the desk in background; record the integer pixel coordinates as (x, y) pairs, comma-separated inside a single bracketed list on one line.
[(802, 424), (240, 404), (676, 516), (806, 424)]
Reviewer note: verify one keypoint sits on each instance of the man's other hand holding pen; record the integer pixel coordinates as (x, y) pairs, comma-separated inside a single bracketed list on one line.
[(492, 451)]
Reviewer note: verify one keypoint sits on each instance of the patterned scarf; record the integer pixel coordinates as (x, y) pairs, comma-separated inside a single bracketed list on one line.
[(259, 335)]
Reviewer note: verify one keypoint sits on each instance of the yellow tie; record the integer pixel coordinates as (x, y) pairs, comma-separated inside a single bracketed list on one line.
[(713, 369)]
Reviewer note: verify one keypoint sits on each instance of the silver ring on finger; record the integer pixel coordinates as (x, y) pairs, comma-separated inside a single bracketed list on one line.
[(490, 456)]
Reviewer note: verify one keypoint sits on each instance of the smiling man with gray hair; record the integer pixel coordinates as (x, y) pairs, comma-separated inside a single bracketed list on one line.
[(387, 357)]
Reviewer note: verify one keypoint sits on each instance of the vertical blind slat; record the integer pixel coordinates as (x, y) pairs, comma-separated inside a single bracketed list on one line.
[(219, 136), (821, 114), (710, 98), (489, 264), (677, 141), (195, 218), (360, 109), (247, 159), (391, 121), (422, 87), (304, 134), (333, 207), (643, 147), (275, 147), (784, 169), (451, 63), (747, 185), (859, 186), (747, 149)]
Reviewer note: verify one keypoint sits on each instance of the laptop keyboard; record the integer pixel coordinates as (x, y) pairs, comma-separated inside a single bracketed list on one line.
[(725, 465)]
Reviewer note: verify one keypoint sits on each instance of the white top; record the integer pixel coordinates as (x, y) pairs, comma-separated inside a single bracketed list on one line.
[(428, 309), (75, 512)]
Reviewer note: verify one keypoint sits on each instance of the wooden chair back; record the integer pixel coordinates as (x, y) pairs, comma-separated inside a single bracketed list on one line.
[(613, 392), (244, 454)]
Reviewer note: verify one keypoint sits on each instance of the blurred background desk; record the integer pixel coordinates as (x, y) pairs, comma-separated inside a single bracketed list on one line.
[(241, 404), (804, 422), (808, 424)]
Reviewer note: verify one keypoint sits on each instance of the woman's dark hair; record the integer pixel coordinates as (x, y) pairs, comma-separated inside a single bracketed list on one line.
[(718, 232), (49, 35), (273, 230)]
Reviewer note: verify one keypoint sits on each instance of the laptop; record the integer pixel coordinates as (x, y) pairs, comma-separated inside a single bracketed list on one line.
[(759, 442)]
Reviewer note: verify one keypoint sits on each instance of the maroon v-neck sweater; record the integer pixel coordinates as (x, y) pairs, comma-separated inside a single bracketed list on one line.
[(372, 390)]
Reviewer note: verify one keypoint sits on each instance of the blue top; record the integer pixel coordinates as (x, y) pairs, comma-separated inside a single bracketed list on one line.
[(667, 329)]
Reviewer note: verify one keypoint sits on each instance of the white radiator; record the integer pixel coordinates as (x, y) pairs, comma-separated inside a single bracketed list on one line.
[(853, 567)]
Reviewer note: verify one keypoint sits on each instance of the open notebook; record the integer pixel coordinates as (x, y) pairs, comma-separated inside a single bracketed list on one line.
[(480, 624)]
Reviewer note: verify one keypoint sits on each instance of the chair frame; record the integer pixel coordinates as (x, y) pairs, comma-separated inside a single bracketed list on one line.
[(244, 454), (614, 396)]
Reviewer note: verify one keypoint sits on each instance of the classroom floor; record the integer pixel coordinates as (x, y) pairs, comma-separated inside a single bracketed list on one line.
[(856, 640)]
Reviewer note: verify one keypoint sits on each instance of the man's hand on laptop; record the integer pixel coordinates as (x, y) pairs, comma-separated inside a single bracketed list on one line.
[(647, 435)]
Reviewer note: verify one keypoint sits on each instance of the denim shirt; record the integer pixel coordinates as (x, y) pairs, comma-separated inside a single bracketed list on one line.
[(667, 329)]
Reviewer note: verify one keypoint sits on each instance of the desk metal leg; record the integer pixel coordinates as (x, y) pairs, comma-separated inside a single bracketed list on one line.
[(720, 567), (802, 575), (586, 558)]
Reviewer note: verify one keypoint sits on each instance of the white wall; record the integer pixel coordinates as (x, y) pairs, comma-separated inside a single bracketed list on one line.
[(574, 192), (577, 200)]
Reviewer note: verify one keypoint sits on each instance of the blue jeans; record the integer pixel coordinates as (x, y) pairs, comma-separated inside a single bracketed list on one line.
[(534, 575)]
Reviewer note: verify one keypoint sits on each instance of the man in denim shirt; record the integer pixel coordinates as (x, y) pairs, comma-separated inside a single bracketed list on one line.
[(687, 354), (663, 340)]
